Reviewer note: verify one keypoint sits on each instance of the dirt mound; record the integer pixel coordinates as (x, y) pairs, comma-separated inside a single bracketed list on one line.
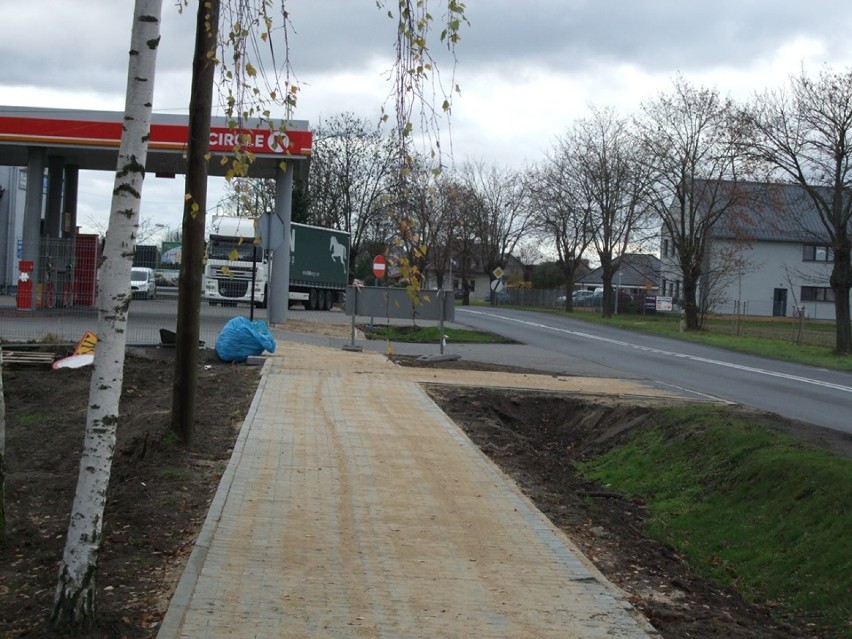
[(536, 439)]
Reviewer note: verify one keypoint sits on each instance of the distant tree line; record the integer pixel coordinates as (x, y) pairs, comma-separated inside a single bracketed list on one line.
[(609, 185)]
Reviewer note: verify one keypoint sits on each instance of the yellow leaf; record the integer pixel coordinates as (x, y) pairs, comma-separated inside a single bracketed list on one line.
[(250, 70)]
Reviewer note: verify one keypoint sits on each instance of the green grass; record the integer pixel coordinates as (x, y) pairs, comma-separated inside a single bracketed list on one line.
[(432, 335), (747, 507), (175, 474), (34, 419)]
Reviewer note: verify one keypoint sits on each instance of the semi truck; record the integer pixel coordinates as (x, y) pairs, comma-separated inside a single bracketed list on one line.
[(237, 268)]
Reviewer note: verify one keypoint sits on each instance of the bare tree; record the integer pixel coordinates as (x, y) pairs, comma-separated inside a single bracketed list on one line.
[(613, 185), (248, 197), (147, 229), (443, 234), (804, 135), (560, 213), (253, 84), (502, 217), (429, 209), (75, 591), (461, 206), (352, 171), (690, 141)]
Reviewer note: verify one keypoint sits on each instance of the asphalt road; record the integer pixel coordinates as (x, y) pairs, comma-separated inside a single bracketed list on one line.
[(814, 395), (145, 319), (546, 342)]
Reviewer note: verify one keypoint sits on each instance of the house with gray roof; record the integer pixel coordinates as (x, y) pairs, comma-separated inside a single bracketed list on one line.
[(768, 256), (638, 273)]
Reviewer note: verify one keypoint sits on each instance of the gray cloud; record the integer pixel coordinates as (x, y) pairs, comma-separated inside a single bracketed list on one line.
[(52, 43)]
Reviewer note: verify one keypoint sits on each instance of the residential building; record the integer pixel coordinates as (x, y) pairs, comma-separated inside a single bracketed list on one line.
[(637, 274), (770, 255)]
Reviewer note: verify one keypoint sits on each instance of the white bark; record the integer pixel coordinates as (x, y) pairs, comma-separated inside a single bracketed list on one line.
[(74, 603)]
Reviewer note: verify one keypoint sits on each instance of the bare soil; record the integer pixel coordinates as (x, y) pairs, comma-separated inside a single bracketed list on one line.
[(160, 493)]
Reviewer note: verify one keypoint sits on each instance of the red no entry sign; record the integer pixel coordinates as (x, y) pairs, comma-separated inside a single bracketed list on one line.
[(379, 266)]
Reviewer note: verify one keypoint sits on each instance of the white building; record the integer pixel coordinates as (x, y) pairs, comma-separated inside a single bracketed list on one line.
[(768, 257)]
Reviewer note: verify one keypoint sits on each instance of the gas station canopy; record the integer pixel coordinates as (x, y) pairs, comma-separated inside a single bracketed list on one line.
[(90, 140)]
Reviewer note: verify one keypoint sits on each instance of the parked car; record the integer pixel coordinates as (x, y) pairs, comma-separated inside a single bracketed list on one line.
[(502, 297), (579, 298), (576, 298), (143, 282), (596, 299)]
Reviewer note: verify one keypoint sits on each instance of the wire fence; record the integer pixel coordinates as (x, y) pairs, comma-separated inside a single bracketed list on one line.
[(148, 321)]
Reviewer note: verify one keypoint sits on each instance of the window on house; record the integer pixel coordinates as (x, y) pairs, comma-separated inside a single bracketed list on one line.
[(817, 294), (817, 253), (663, 287), (665, 248)]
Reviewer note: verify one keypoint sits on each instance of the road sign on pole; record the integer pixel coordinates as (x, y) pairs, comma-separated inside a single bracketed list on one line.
[(379, 266)]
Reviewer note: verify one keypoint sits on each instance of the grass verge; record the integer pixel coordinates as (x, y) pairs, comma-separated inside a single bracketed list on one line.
[(747, 507), (431, 335), (768, 338)]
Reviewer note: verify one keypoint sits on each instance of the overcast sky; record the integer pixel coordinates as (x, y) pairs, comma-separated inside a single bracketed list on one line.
[(526, 69)]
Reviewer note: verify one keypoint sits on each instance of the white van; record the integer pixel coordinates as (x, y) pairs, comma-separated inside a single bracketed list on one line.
[(143, 283)]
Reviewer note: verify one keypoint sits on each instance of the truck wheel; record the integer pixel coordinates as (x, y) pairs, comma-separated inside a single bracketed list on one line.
[(264, 301), (313, 300)]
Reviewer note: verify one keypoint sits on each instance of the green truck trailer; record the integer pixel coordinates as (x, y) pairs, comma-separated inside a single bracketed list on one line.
[(237, 269)]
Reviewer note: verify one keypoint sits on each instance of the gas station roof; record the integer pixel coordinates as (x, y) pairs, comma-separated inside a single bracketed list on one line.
[(90, 140)]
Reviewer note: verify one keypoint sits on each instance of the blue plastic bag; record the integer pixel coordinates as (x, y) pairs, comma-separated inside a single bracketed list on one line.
[(241, 339)]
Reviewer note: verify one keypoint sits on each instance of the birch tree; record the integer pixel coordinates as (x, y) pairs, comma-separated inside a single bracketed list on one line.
[(74, 605), (804, 135)]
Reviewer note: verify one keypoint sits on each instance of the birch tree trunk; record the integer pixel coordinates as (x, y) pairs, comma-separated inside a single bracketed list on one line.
[(74, 603)]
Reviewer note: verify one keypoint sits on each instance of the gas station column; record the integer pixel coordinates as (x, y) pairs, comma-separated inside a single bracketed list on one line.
[(279, 231), (36, 164), (53, 212), (69, 201)]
